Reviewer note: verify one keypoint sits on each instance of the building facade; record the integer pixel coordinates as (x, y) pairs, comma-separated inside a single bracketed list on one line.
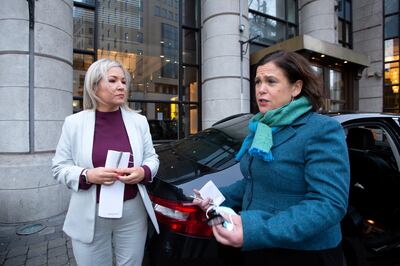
[(191, 63)]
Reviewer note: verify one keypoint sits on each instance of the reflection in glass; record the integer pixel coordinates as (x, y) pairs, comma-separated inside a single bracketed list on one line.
[(81, 63), (83, 22), (392, 50), (190, 119), (392, 73), (190, 38), (144, 37), (391, 6), (162, 118), (190, 84), (291, 10), (336, 90), (318, 70), (392, 26), (391, 99), (270, 31), (190, 11), (291, 32), (90, 2), (274, 8), (347, 10)]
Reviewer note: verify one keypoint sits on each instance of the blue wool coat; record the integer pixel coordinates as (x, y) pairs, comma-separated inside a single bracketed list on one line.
[(298, 200)]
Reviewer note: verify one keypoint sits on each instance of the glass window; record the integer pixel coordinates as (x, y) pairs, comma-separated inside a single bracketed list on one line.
[(81, 63), (83, 21), (391, 57), (347, 11), (392, 49), (291, 10), (269, 30), (391, 6), (190, 11), (392, 73), (374, 177), (273, 20), (190, 84), (274, 8), (336, 91), (392, 26), (190, 119), (90, 2), (345, 23), (147, 44), (189, 46)]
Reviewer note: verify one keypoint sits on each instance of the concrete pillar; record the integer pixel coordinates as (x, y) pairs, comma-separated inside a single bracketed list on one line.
[(318, 19), (367, 39), (222, 67), (33, 104)]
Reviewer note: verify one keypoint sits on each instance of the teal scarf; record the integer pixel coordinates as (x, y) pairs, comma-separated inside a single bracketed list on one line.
[(262, 126)]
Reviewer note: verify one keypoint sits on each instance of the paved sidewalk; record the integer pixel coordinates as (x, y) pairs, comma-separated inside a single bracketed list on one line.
[(50, 246)]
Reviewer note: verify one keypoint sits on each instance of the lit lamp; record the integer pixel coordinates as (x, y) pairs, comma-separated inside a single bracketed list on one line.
[(395, 89), (174, 109)]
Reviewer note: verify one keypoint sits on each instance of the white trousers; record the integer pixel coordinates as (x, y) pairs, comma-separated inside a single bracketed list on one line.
[(126, 235)]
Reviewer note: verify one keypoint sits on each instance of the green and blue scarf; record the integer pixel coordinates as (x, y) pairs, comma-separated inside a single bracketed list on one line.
[(259, 141)]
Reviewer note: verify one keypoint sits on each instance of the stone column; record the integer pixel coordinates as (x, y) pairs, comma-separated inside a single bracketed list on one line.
[(367, 39), (318, 19), (35, 97), (222, 90)]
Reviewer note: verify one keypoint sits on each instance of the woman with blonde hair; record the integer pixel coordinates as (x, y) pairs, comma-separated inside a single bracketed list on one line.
[(106, 124)]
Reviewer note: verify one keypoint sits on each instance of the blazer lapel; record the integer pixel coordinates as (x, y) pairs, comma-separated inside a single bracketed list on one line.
[(87, 138), (132, 135)]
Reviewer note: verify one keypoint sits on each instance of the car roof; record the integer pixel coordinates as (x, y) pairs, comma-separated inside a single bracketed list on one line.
[(351, 116)]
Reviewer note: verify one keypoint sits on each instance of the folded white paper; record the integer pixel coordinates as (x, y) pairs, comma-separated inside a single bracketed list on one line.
[(112, 196), (210, 190)]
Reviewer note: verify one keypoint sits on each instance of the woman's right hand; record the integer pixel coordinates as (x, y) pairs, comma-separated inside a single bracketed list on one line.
[(204, 204), (102, 175)]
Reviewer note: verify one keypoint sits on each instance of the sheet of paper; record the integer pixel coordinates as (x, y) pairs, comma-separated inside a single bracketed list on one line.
[(112, 196), (210, 190)]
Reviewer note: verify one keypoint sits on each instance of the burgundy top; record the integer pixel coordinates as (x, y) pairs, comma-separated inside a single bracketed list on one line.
[(110, 134)]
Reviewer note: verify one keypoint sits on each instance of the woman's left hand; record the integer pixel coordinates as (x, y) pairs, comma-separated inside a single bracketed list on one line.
[(132, 175), (232, 238)]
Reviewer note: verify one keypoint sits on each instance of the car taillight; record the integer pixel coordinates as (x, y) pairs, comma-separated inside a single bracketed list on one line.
[(184, 218)]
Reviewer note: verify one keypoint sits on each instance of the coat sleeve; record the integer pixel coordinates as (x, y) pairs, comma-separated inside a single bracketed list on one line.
[(63, 166), (326, 175)]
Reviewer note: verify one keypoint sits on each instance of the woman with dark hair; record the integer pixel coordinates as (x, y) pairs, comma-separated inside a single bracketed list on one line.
[(295, 169)]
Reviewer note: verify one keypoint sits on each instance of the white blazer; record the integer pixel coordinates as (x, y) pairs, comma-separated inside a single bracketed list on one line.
[(74, 153)]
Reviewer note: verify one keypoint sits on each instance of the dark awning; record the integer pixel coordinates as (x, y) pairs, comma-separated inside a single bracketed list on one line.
[(310, 45)]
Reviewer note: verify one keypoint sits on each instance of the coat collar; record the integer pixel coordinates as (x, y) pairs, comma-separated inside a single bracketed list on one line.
[(287, 132)]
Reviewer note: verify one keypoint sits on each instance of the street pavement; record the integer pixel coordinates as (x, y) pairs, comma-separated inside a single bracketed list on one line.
[(49, 246)]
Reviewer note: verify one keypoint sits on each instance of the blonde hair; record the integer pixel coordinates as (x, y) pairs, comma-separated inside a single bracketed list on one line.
[(96, 72)]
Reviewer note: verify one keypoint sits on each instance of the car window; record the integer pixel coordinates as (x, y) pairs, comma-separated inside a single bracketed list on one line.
[(211, 147), (374, 179)]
